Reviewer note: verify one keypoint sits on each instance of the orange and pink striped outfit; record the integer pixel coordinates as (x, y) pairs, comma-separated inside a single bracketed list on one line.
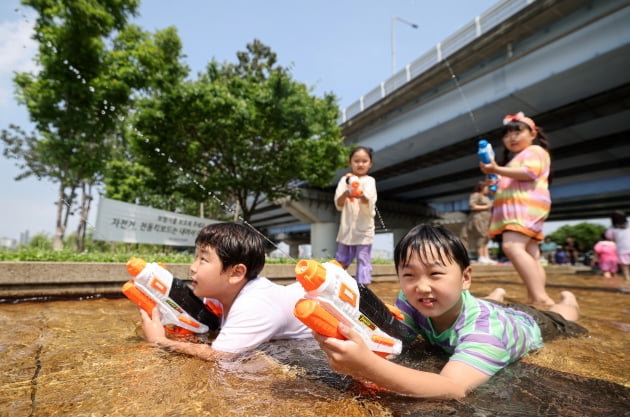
[(523, 206)]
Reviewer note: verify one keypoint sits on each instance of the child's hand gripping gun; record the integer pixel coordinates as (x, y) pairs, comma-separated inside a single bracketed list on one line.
[(354, 186), (333, 296), (486, 153), (181, 311)]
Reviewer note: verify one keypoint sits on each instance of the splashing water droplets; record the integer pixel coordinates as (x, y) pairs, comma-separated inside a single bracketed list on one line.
[(464, 98)]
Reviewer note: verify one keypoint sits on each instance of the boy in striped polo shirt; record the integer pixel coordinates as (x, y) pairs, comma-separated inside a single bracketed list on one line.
[(482, 335)]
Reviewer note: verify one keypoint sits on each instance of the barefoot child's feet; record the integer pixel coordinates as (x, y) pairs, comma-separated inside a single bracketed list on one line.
[(498, 294)]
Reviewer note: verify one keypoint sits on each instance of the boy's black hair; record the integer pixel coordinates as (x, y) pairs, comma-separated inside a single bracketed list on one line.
[(234, 244), (438, 241)]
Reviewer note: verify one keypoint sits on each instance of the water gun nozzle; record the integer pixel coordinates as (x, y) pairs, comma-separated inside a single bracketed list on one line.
[(135, 266), (311, 274)]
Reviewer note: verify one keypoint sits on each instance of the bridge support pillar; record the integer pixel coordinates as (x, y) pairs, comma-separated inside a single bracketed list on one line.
[(294, 250), (323, 240)]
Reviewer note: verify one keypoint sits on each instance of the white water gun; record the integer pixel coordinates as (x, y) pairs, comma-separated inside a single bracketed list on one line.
[(354, 186), (181, 311), (333, 296)]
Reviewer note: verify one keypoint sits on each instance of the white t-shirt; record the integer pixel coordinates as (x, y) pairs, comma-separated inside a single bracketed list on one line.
[(261, 312), (356, 226)]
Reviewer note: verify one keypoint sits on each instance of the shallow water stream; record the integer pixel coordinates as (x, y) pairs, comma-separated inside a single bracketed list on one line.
[(85, 358)]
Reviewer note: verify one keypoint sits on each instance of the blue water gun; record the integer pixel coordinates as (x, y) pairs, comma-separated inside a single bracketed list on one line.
[(486, 153)]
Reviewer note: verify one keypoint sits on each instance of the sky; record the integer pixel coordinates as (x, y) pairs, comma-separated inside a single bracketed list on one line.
[(338, 46)]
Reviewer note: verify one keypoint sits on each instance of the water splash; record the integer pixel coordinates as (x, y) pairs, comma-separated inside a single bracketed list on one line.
[(464, 98)]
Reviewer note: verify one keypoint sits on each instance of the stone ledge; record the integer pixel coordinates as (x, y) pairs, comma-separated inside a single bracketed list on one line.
[(79, 279), (21, 280)]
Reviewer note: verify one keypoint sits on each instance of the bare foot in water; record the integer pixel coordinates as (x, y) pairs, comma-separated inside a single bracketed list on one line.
[(567, 298), (498, 294), (567, 307)]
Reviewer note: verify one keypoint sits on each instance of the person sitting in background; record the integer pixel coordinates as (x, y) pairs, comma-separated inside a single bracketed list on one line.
[(548, 249), (571, 249), (561, 256)]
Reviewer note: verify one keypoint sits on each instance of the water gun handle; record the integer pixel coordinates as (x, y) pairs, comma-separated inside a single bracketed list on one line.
[(485, 154), (311, 313), (316, 317), (138, 297)]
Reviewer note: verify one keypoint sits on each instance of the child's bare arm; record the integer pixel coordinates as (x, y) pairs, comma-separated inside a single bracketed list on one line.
[(516, 173), (341, 201), (352, 357), (154, 333)]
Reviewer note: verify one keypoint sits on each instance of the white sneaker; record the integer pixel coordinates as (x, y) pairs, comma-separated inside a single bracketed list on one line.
[(486, 261)]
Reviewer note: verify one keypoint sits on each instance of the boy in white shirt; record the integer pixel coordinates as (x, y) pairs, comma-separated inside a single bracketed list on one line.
[(229, 257)]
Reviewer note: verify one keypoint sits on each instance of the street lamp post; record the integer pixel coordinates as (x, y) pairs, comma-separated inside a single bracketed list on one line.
[(394, 19)]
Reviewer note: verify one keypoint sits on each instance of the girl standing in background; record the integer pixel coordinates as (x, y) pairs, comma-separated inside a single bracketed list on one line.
[(358, 208), (620, 234), (522, 201), (606, 256)]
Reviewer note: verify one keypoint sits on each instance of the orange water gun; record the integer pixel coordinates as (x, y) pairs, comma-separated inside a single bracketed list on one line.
[(182, 313), (354, 186), (333, 296)]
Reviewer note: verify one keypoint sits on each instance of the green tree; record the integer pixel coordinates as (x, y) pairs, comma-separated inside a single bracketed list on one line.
[(244, 132), (161, 60), (585, 234), (90, 61), (71, 100)]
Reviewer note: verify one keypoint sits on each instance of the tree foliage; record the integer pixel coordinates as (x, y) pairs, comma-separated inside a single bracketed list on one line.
[(90, 63), (112, 105), (585, 234), (72, 99), (241, 133)]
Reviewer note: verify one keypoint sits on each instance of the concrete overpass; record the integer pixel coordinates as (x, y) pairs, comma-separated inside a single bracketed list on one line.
[(565, 63)]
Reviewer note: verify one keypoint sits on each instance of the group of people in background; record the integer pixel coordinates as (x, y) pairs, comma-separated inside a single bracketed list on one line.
[(552, 253), (610, 255)]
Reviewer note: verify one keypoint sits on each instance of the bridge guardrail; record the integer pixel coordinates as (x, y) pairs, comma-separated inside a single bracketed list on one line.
[(467, 34)]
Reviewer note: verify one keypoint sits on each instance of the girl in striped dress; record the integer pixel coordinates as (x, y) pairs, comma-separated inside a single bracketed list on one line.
[(522, 201)]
